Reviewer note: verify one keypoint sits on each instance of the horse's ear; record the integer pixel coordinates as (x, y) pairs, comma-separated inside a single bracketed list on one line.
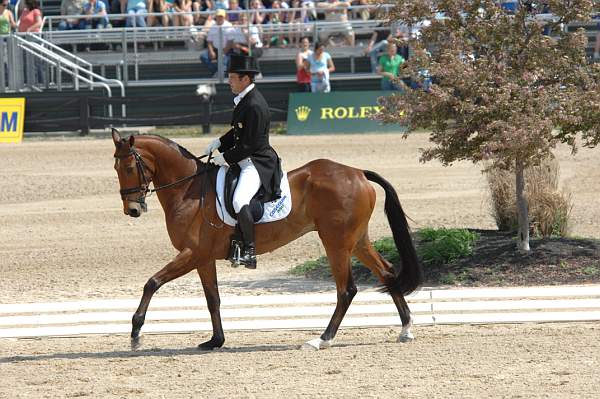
[(116, 136), (131, 140)]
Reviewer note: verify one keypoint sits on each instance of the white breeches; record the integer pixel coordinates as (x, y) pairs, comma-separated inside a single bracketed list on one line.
[(248, 184)]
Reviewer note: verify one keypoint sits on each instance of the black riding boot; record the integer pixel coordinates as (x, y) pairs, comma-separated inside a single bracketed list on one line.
[(246, 222)]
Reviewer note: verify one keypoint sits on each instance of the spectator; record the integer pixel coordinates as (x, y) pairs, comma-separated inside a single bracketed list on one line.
[(276, 22), (7, 21), (337, 12), (114, 7), (221, 5), (256, 16), (377, 44), (296, 19), (362, 13), (389, 67), (31, 17), (136, 9), (311, 13), (232, 15), (31, 21), (219, 38), (247, 41), (182, 6), (320, 65), (302, 75), (155, 6), (202, 6), (96, 15), (70, 7)]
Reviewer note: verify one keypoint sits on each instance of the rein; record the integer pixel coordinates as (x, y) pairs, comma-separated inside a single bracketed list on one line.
[(144, 188)]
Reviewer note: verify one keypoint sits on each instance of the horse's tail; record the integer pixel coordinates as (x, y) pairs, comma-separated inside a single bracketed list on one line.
[(409, 275)]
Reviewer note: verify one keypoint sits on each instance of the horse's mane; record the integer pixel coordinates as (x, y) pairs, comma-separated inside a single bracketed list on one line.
[(184, 151)]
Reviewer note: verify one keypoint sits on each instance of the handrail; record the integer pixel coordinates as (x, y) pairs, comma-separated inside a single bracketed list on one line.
[(76, 70), (63, 52)]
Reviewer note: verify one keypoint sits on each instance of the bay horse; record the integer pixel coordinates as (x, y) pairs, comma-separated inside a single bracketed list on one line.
[(333, 199)]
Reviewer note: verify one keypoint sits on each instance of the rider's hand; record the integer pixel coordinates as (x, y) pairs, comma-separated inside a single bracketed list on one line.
[(219, 159), (216, 143)]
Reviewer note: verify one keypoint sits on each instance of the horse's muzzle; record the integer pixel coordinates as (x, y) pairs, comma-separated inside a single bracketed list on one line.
[(135, 209)]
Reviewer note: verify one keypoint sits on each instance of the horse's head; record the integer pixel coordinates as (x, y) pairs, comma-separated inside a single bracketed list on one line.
[(135, 175)]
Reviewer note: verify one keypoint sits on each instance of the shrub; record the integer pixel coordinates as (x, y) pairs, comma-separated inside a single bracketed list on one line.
[(441, 246), (549, 208)]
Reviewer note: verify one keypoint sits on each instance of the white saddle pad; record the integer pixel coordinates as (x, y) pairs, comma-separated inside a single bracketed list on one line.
[(274, 210)]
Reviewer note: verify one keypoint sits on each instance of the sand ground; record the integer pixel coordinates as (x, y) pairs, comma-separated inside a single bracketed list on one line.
[(64, 237)]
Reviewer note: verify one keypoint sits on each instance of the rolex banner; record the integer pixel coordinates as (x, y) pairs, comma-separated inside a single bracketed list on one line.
[(336, 112)]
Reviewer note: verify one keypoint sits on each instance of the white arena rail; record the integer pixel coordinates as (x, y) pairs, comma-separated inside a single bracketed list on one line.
[(309, 311)]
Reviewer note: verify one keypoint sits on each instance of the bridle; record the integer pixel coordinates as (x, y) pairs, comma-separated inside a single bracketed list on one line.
[(143, 187)]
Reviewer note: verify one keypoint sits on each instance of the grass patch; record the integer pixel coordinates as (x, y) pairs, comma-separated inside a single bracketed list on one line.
[(591, 270)]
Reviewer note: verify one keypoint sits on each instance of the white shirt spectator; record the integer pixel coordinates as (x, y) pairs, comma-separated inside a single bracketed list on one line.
[(240, 37), (228, 34)]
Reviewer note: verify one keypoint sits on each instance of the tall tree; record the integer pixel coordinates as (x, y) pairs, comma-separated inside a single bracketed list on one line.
[(507, 86)]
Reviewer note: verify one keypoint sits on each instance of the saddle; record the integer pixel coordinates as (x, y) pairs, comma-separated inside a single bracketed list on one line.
[(256, 203)]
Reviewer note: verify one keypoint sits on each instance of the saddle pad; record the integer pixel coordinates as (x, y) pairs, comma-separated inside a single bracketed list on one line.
[(274, 210)]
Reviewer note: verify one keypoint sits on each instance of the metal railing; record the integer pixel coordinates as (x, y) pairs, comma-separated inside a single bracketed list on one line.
[(35, 63), (129, 41)]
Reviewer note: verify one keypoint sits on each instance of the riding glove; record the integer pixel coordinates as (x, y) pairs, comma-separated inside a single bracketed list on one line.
[(216, 143), (219, 159)]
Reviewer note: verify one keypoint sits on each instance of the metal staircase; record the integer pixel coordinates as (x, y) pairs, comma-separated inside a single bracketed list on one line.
[(31, 63)]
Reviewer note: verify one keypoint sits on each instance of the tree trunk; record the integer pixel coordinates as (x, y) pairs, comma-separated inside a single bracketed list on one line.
[(522, 208)]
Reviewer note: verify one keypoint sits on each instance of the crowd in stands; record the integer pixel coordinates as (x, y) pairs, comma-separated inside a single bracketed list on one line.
[(226, 28)]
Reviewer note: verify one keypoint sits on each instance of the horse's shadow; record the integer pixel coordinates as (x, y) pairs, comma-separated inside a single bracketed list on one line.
[(141, 353), (283, 284), (157, 352)]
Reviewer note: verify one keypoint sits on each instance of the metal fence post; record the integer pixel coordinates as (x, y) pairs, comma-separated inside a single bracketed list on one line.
[(3, 71), (125, 64), (220, 55), (58, 76), (84, 115)]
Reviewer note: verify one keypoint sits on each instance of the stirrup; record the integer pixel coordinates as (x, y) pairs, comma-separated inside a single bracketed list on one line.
[(235, 253)]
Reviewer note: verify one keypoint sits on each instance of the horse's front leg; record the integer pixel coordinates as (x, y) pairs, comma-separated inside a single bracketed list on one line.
[(208, 275), (182, 264)]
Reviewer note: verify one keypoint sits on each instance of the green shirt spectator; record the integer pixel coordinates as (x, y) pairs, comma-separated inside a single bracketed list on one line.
[(389, 67)]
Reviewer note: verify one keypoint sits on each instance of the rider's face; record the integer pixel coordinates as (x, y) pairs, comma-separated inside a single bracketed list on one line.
[(238, 82)]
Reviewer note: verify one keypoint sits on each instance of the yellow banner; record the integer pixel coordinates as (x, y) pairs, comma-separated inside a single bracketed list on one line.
[(12, 117)]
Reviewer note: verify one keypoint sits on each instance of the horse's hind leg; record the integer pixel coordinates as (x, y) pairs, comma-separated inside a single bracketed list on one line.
[(339, 259), (174, 269), (384, 271)]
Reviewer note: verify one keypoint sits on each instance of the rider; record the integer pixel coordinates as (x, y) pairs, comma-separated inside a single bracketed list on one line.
[(247, 144)]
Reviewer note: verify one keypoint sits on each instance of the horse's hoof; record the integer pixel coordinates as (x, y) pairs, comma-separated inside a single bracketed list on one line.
[(136, 343), (406, 337), (210, 345), (316, 344)]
